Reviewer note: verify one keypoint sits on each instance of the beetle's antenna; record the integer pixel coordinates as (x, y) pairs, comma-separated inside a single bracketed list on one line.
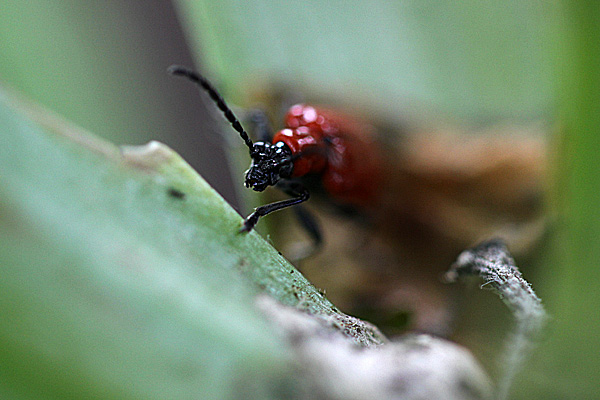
[(215, 96)]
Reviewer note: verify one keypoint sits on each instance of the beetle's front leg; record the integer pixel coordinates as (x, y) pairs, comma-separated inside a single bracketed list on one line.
[(292, 188)]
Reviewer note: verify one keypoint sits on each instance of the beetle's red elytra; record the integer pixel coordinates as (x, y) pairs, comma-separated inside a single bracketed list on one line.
[(338, 147)]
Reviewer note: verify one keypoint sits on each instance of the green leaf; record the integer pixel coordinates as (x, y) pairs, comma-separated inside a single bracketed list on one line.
[(570, 355), (475, 59), (123, 275)]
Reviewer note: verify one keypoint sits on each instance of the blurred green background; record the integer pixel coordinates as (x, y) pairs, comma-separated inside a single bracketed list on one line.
[(102, 65)]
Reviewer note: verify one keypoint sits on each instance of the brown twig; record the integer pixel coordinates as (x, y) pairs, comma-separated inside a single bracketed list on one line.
[(493, 263)]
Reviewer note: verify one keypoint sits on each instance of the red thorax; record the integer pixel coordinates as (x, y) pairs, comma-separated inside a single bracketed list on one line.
[(339, 147)]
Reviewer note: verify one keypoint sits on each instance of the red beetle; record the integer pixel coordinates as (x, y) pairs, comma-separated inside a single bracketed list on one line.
[(426, 195), (315, 141)]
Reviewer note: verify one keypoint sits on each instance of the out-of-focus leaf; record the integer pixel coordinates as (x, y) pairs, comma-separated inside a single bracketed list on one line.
[(569, 357), (121, 274), (476, 59)]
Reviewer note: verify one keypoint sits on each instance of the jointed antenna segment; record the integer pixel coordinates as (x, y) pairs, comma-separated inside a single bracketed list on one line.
[(215, 96)]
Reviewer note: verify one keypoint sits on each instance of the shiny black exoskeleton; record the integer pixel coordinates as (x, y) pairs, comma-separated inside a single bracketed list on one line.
[(270, 164)]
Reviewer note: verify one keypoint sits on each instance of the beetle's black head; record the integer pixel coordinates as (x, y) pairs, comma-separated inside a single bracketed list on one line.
[(270, 163)]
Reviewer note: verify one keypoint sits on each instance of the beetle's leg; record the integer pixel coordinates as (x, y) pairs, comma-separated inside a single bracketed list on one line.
[(306, 219), (309, 223), (261, 127), (292, 188)]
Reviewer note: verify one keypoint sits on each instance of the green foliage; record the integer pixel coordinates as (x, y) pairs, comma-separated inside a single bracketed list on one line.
[(476, 59), (569, 356), (90, 241), (112, 287)]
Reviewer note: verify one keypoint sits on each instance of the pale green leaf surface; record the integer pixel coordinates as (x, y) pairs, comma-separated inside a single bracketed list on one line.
[(112, 288), (481, 60)]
